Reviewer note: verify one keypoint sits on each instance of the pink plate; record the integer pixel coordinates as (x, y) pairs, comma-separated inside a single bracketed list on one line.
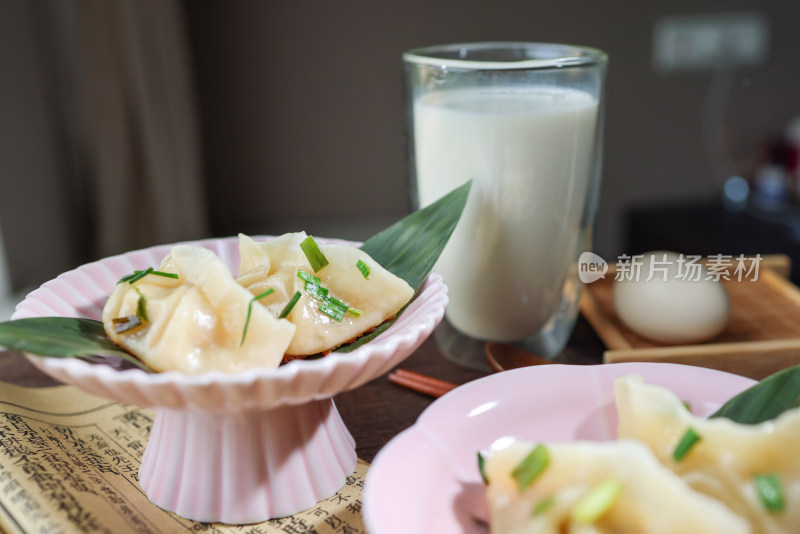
[(240, 447), (426, 479)]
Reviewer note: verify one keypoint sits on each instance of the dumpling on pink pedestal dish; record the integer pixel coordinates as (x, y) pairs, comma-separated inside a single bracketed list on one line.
[(367, 293), (191, 315)]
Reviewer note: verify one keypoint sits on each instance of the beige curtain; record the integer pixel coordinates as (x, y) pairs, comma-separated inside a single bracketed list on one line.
[(129, 107)]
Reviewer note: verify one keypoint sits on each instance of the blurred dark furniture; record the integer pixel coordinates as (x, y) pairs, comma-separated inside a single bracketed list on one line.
[(708, 228)]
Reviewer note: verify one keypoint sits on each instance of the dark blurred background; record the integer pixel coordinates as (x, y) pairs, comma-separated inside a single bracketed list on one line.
[(128, 124)]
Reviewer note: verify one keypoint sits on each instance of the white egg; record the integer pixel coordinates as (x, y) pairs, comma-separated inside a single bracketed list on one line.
[(667, 300)]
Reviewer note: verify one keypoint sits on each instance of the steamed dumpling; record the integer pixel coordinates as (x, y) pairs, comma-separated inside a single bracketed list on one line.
[(728, 456), (195, 323), (652, 499), (274, 264)]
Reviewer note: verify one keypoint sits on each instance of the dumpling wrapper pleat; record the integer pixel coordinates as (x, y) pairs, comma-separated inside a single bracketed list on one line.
[(275, 264), (195, 323), (728, 456), (653, 499)]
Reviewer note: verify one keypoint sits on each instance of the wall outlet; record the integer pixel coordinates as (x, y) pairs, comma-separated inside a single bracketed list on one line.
[(713, 41)]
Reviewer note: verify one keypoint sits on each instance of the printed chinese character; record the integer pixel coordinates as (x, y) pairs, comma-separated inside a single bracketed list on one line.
[(628, 267), (689, 268), (659, 266), (354, 507), (319, 512), (741, 271), (717, 266), (295, 525)]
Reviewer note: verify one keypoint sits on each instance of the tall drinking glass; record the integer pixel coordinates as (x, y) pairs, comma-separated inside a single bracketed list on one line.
[(524, 122)]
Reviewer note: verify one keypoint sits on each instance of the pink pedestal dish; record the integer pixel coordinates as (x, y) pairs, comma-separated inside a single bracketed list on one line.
[(241, 447)]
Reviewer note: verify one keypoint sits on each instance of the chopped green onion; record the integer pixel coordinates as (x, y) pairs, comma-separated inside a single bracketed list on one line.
[(141, 305), (290, 305), (315, 256), (308, 277), (597, 502), (138, 275), (364, 268), (250, 311), (531, 467), (126, 324), (770, 492), (260, 296), (333, 308), (317, 291), (174, 276), (313, 285), (141, 308), (544, 505), (689, 439), (328, 305), (482, 467)]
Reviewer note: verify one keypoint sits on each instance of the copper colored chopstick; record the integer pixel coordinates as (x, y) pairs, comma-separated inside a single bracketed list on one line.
[(421, 383)]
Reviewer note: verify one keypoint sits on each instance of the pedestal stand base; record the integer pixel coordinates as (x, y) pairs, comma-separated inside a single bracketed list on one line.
[(246, 467)]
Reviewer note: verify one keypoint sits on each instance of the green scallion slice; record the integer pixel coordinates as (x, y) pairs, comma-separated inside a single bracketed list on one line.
[(308, 277), (597, 502), (250, 311), (689, 440), (141, 305), (313, 285), (770, 492), (364, 268), (333, 308), (317, 291), (482, 467), (314, 255), (290, 305), (138, 275), (328, 304), (544, 505), (126, 324), (531, 467)]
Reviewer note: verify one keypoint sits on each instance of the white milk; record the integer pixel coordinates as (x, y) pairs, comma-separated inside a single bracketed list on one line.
[(529, 152)]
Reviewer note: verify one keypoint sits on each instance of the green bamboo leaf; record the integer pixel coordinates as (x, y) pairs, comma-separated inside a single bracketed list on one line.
[(61, 337), (410, 247), (766, 400)]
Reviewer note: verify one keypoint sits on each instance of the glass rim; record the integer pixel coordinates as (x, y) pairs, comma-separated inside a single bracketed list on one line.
[(568, 56)]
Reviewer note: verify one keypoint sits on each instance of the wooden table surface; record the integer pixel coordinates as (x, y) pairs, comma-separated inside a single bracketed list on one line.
[(377, 411)]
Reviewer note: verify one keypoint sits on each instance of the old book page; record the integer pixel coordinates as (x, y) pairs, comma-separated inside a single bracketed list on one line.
[(69, 463)]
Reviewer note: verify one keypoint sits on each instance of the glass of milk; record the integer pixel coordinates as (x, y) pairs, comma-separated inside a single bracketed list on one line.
[(524, 122)]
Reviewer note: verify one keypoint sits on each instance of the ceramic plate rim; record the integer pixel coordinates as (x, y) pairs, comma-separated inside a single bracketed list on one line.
[(447, 409)]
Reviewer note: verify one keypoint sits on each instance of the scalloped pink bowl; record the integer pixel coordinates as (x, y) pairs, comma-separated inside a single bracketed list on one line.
[(233, 448)]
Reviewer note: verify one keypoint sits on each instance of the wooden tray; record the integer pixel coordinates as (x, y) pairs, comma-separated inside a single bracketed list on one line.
[(762, 337)]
